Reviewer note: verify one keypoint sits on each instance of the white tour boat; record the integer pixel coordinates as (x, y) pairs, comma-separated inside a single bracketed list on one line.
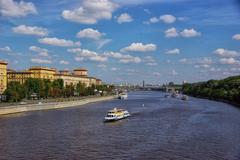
[(123, 96), (116, 114)]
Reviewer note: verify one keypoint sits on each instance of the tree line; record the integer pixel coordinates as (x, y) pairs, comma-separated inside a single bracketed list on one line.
[(44, 89), (227, 89)]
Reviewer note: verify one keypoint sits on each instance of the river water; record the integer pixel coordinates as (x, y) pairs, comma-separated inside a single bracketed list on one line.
[(159, 128)]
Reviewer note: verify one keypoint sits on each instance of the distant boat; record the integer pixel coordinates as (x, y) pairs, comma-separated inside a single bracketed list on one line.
[(116, 114), (167, 96), (185, 98), (123, 95)]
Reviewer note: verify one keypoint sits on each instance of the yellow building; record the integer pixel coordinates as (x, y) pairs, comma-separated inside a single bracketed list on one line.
[(19, 76), (3, 76), (33, 72), (80, 72), (69, 78), (43, 73), (72, 79)]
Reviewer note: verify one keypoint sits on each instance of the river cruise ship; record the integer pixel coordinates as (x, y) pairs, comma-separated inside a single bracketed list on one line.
[(116, 114)]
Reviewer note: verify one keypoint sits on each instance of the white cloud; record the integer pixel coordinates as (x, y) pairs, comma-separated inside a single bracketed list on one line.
[(63, 62), (236, 37), (41, 61), (98, 58), (140, 47), (148, 59), (226, 53), (228, 61), (124, 18), (185, 61), (90, 33), (171, 32), (190, 33), (173, 51), (153, 20), (205, 61), (5, 49), (114, 69), (122, 57), (202, 66), (30, 30), (91, 11), (167, 18), (40, 51), (79, 59), (59, 42), (85, 54), (130, 60), (174, 73), (102, 42), (102, 65), (156, 74), (11, 8), (152, 64)]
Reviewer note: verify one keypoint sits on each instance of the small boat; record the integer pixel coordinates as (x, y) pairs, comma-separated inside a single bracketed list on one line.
[(123, 96), (185, 98), (116, 114)]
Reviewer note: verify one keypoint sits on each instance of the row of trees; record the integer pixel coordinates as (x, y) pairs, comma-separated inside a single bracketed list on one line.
[(227, 89), (43, 89)]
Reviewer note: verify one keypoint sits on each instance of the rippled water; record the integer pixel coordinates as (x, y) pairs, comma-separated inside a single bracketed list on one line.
[(162, 128)]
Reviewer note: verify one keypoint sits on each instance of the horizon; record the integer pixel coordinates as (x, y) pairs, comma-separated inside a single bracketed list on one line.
[(123, 41)]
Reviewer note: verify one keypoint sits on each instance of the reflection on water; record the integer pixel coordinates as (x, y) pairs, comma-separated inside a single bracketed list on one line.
[(162, 128)]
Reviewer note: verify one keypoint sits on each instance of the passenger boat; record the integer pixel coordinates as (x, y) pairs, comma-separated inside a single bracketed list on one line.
[(185, 98), (116, 114), (123, 95)]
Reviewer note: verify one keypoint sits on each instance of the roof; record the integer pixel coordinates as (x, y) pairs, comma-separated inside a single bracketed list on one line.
[(3, 62), (80, 69), (42, 68)]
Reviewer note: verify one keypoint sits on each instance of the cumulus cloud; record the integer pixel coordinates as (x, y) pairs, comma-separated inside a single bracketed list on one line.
[(123, 58), (11, 8), (205, 61), (63, 62), (41, 61), (171, 32), (90, 33), (5, 49), (187, 33), (59, 42), (85, 54), (167, 18), (190, 33), (124, 18), (140, 47), (149, 61), (173, 51), (226, 53), (40, 51), (90, 12), (229, 61), (236, 37), (30, 30)]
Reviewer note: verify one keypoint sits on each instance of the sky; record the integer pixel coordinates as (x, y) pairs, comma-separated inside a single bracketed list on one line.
[(124, 41)]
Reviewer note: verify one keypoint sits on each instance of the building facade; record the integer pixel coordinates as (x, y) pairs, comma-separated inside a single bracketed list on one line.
[(69, 78), (3, 76)]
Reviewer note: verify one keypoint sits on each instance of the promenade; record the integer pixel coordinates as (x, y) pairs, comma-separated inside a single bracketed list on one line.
[(53, 105)]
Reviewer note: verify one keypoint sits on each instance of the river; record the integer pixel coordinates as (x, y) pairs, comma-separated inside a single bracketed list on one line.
[(159, 128)]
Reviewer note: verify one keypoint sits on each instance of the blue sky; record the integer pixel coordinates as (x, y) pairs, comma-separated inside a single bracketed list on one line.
[(124, 41)]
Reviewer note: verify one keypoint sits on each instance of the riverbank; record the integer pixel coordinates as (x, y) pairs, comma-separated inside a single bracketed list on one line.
[(47, 106)]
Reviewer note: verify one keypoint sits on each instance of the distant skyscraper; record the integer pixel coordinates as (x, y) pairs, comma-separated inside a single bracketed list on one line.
[(143, 84)]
